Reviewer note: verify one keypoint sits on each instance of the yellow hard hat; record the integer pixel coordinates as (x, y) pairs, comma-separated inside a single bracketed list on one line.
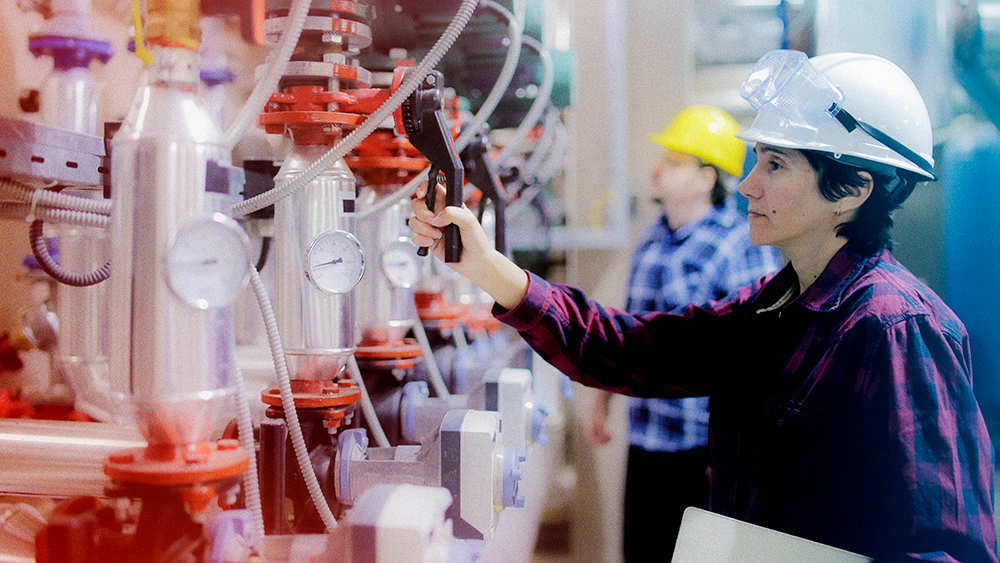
[(708, 133)]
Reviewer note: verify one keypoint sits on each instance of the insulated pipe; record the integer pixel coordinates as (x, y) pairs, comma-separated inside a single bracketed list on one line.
[(59, 459)]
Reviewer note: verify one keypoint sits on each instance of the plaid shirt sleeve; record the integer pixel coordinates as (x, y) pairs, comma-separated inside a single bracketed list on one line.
[(617, 351), (939, 460)]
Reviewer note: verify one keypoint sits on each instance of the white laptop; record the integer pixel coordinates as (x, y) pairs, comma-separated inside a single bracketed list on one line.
[(706, 537)]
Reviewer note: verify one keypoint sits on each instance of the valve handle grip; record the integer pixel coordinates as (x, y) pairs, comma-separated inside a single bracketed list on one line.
[(453, 196), (432, 182)]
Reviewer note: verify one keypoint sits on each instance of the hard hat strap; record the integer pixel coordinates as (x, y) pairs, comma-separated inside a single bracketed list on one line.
[(850, 123)]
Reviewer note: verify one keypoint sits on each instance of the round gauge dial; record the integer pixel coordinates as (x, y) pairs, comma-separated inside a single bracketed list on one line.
[(400, 264), (334, 261), (208, 262)]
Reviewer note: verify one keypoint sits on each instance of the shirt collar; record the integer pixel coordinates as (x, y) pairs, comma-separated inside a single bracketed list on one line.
[(829, 289)]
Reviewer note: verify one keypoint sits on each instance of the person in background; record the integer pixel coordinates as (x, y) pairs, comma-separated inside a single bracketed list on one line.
[(698, 250), (842, 404)]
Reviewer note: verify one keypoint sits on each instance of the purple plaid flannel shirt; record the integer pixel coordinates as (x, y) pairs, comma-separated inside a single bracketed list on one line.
[(845, 416)]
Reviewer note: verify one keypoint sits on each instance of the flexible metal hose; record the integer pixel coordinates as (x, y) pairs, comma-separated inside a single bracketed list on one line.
[(251, 485), (514, 26), (36, 238), (554, 162), (19, 211), (366, 404), (433, 373), (544, 144), (538, 106), (25, 193), (288, 402)]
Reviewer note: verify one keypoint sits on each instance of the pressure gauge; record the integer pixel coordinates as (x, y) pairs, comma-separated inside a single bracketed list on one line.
[(334, 261), (400, 264), (208, 262)]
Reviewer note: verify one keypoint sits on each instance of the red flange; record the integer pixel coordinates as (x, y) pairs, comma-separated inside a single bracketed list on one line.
[(381, 350), (431, 306), (316, 394), (172, 465), (386, 159)]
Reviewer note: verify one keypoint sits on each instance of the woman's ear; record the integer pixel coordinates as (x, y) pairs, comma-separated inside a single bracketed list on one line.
[(709, 176), (850, 203)]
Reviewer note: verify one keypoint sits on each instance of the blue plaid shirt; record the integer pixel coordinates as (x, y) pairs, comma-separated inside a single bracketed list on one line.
[(702, 261)]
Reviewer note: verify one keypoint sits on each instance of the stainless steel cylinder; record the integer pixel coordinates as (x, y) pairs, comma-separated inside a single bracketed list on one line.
[(69, 100), (82, 353), (385, 300), (316, 326), (172, 361), (60, 459)]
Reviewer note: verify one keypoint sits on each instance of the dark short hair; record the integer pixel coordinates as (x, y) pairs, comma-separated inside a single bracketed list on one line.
[(719, 190), (869, 230)]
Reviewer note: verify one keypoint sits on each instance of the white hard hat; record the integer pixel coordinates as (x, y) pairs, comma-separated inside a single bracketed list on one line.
[(852, 105)]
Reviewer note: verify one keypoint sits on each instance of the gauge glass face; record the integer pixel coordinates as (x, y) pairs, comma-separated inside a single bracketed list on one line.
[(400, 264), (335, 262), (208, 263)]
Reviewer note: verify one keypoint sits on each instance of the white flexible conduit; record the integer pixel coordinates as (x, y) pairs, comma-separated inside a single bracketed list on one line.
[(372, 122), (288, 402), (19, 211), (251, 485), (366, 405), (433, 373), (544, 144), (538, 106), (554, 162), (514, 26), (25, 193), (275, 68), (458, 335)]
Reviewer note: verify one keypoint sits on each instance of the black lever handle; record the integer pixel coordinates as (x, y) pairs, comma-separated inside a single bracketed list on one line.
[(482, 173), (424, 124)]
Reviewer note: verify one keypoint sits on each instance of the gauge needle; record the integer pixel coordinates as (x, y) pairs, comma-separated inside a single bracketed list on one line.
[(331, 262), (205, 262)]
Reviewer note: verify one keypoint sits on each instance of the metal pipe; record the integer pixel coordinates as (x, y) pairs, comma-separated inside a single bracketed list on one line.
[(59, 459)]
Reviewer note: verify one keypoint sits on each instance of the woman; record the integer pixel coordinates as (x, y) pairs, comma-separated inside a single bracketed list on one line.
[(845, 413)]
